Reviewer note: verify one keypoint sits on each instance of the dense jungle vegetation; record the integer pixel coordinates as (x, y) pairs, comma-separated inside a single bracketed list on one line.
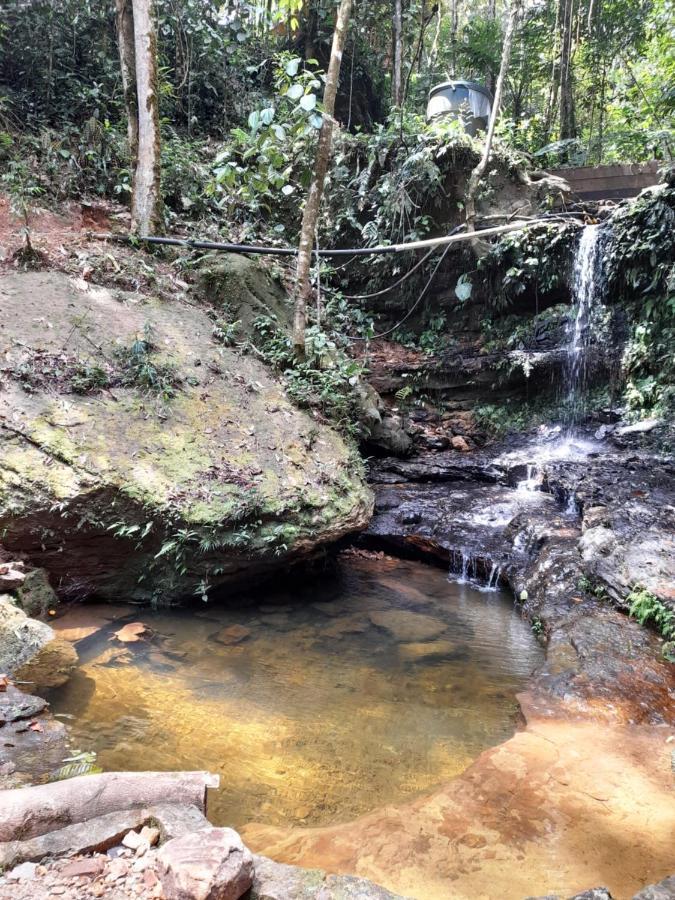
[(241, 87)]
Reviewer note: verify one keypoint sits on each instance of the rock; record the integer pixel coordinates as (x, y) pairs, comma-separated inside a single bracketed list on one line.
[(133, 840), (276, 881), (11, 579), (29, 647), (102, 834), (150, 835), (459, 443), (418, 652), (643, 427), (14, 706), (345, 625), (408, 626), (82, 868), (23, 872), (600, 893), (51, 666), (212, 864), (36, 595), (233, 634), (664, 890), (116, 479)]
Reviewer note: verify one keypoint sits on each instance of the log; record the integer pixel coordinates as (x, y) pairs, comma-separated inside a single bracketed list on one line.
[(31, 811), (99, 834)]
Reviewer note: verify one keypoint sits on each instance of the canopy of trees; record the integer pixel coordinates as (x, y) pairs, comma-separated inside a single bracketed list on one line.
[(590, 80)]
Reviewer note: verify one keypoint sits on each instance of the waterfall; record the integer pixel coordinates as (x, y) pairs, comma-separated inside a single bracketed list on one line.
[(465, 570), (586, 288)]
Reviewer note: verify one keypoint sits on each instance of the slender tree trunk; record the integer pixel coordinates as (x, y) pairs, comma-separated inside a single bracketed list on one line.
[(125, 43), (397, 52), (552, 104), (454, 28), (310, 215), (567, 114), (146, 215), (479, 170), (311, 32)]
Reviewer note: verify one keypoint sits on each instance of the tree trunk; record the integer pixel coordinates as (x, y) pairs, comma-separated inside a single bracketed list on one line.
[(146, 201), (479, 171), (31, 811), (125, 44), (567, 115), (397, 50), (310, 216), (454, 28)]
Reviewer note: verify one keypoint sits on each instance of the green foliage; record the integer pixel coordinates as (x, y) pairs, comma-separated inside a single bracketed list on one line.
[(513, 416), (649, 610), (537, 627), (261, 168), (140, 369), (226, 332), (536, 260), (324, 380), (588, 586), (640, 267), (89, 378), (81, 763)]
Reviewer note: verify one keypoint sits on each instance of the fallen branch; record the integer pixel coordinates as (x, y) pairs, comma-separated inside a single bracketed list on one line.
[(31, 811)]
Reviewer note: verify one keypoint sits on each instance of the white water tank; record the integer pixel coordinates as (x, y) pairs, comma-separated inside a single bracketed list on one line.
[(466, 100)]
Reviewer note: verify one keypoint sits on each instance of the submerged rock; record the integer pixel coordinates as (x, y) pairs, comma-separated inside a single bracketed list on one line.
[(419, 652), (233, 634), (194, 472), (408, 626)]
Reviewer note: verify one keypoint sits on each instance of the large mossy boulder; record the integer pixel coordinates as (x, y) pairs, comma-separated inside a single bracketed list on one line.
[(141, 459)]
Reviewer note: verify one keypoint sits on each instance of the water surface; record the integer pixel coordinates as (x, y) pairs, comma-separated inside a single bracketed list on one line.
[(370, 686)]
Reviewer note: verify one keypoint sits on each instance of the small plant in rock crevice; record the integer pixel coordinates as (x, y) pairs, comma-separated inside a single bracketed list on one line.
[(649, 610), (140, 369), (537, 627)]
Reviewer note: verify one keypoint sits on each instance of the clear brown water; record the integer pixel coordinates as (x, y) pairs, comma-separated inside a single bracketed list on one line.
[(364, 689)]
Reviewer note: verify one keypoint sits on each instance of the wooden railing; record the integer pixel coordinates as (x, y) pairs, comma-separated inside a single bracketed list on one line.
[(609, 182)]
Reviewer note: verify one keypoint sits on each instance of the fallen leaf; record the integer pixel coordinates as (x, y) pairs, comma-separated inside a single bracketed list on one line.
[(132, 632), (36, 726), (4, 681)]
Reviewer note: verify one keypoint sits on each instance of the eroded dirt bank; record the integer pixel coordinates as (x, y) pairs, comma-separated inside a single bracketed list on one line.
[(583, 795)]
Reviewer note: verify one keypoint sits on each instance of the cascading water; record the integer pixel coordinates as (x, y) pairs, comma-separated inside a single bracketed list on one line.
[(586, 286)]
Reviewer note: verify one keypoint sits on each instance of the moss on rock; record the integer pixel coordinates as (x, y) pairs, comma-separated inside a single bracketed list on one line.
[(119, 493)]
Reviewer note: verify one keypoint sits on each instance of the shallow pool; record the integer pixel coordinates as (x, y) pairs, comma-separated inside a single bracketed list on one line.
[(314, 703)]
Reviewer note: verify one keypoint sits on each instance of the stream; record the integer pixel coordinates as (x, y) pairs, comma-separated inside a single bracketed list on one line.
[(314, 704)]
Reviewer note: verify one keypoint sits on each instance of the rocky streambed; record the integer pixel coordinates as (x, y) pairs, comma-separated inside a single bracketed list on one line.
[(583, 795)]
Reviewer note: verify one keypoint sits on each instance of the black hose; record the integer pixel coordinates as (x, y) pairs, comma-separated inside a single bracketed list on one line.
[(249, 248), (270, 251), (403, 278)]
